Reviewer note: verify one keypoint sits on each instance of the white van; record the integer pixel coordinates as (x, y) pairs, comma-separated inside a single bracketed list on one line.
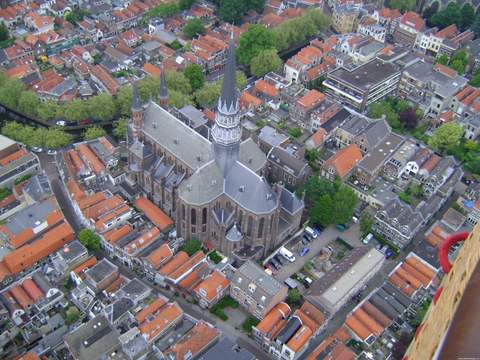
[(287, 254), (310, 232), (368, 238)]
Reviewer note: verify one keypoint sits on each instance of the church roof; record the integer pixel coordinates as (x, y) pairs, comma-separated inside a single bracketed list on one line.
[(241, 184), (234, 234)]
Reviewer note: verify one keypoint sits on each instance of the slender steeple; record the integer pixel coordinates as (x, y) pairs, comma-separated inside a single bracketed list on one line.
[(137, 111), (227, 132), (163, 89)]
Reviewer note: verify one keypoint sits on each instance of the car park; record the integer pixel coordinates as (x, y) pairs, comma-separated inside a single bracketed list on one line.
[(287, 254), (311, 233), (276, 265)]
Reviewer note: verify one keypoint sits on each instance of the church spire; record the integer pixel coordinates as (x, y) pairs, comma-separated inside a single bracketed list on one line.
[(163, 89), (228, 98), (227, 132), (136, 102)]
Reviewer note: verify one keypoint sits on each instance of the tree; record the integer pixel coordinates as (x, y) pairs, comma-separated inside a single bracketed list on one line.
[(56, 138), (323, 211), (475, 80), (48, 110), (120, 128), (294, 132), (194, 27), (446, 136), (191, 246), (344, 201), (76, 110), (10, 93), (256, 39), (89, 239), (408, 118), (93, 133), (294, 297), (208, 95), (231, 11), (266, 61), (185, 4), (162, 10), (123, 100), (383, 108), (101, 107), (194, 75), (459, 61), (316, 187), (366, 223), (403, 5), (178, 99), (476, 26), (4, 34), (452, 14), (467, 15), (177, 81), (28, 103), (430, 11), (442, 59)]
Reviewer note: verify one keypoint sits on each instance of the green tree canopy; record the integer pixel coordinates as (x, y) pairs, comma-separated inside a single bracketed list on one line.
[(101, 107), (452, 14), (191, 246), (120, 128), (4, 34), (403, 5), (89, 239), (28, 103), (194, 27), (253, 41), (476, 26), (366, 223), (467, 15), (56, 138), (10, 92), (194, 75), (185, 4), (266, 61), (294, 297), (123, 100), (446, 136), (94, 132)]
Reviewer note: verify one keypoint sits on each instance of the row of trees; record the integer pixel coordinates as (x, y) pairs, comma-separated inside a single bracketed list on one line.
[(168, 9), (259, 46), (462, 16), (52, 138), (233, 11), (330, 202)]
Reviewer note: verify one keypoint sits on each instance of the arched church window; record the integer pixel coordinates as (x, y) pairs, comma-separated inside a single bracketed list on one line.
[(193, 217), (260, 227), (204, 215), (249, 226)]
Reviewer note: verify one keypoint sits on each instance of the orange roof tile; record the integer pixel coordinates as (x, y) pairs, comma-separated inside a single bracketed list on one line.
[(376, 314), (103, 207), (278, 312), (95, 164), (445, 70), (115, 285), (319, 136), (401, 284), (75, 190), (312, 99), (190, 281), (191, 263), (32, 289), (431, 162), (152, 70), (150, 309), (87, 264), (154, 213), (341, 352), (369, 322), (301, 337), (413, 20), (160, 255), (21, 296), (194, 342), (28, 356), (212, 285), (266, 88), (417, 274), (448, 32), (421, 267), (13, 157), (164, 318), (409, 278), (112, 236), (4, 271), (180, 258), (91, 200), (27, 255), (345, 159), (313, 314), (247, 100), (357, 327), (103, 220), (142, 241)]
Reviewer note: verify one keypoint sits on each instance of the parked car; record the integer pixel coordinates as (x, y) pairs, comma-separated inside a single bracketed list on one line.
[(311, 233), (305, 240), (61, 123), (304, 251), (340, 227), (37, 149), (307, 282), (389, 253), (52, 152), (367, 239), (276, 265), (279, 259)]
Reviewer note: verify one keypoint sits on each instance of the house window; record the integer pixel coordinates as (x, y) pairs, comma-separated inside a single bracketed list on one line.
[(193, 217)]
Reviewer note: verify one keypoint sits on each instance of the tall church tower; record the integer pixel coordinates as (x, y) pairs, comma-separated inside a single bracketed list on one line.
[(163, 97), (227, 132), (137, 112)]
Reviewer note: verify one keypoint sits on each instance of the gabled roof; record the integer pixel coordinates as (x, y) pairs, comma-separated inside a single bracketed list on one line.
[(154, 213), (413, 20), (345, 159), (160, 255), (212, 285)]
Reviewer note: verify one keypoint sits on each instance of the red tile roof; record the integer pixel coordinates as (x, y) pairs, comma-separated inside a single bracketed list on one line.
[(413, 20), (150, 309), (21, 296), (187, 266), (312, 99), (154, 213), (212, 286), (160, 255), (142, 241), (106, 79), (32, 290), (163, 319), (89, 156), (180, 258), (265, 88), (345, 159), (112, 236)]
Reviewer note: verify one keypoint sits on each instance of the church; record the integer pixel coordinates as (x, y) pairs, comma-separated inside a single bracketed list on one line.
[(216, 190)]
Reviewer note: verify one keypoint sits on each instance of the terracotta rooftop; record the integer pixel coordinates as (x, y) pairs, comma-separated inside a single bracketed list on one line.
[(142, 241), (312, 99), (160, 255), (21, 296), (100, 225), (301, 337), (180, 258), (32, 290), (194, 342), (279, 312), (162, 320), (154, 213), (187, 266), (413, 20), (345, 159), (93, 161), (212, 285), (112, 236), (445, 70), (96, 211), (266, 88), (152, 70), (150, 309), (87, 264)]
